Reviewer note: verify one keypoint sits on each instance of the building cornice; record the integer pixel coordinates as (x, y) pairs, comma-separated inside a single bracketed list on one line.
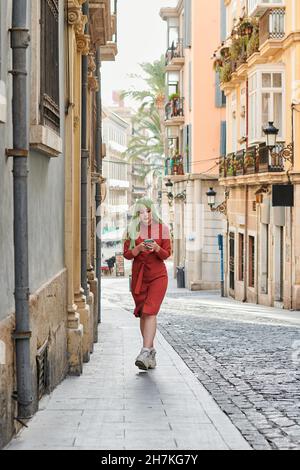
[(191, 177), (171, 12), (256, 179)]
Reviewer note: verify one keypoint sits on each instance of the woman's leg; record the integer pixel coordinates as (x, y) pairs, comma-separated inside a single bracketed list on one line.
[(142, 325), (148, 325)]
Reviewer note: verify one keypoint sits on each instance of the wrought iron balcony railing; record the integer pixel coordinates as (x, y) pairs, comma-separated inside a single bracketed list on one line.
[(174, 166), (175, 51), (256, 159), (174, 108), (272, 25)]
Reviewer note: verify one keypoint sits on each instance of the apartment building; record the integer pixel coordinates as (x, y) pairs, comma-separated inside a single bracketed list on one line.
[(50, 178), (259, 66), (195, 115)]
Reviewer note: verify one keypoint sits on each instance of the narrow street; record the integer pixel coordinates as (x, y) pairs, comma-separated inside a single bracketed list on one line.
[(227, 378), (246, 356)]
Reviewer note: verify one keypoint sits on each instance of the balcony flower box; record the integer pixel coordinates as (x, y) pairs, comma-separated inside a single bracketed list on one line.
[(230, 165), (250, 161), (239, 162)]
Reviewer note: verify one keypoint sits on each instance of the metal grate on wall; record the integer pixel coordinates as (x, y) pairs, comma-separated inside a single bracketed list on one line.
[(42, 370)]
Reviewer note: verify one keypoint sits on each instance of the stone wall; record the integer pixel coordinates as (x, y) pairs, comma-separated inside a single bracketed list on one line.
[(48, 313)]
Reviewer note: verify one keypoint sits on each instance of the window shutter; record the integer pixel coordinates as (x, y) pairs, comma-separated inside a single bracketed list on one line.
[(223, 21), (223, 139), (49, 106), (184, 150), (190, 86), (220, 98), (218, 93), (187, 23), (189, 163)]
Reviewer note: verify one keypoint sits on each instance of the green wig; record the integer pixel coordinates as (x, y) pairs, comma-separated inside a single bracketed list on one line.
[(135, 224)]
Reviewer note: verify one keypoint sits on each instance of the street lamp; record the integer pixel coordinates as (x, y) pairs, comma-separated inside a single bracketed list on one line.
[(211, 201), (286, 153), (271, 133), (211, 197), (169, 185)]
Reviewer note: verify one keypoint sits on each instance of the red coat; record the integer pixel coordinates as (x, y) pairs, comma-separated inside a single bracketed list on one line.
[(149, 273)]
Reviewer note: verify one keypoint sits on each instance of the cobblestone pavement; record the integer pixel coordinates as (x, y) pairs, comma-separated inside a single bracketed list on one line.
[(245, 356), (248, 369)]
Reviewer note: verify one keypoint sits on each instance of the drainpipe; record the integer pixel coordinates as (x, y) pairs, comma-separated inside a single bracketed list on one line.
[(98, 186), (84, 164), (246, 261), (19, 44)]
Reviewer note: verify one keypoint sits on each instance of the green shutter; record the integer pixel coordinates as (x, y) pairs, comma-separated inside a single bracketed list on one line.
[(184, 151), (189, 163), (223, 21), (220, 98), (223, 139), (187, 23)]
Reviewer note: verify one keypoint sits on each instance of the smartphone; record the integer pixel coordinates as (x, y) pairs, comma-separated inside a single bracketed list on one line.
[(150, 240)]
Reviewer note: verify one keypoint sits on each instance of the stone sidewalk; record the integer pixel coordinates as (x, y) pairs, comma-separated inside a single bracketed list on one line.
[(115, 406)]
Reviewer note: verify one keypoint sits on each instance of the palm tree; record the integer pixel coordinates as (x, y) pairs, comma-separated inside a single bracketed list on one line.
[(148, 137), (154, 96)]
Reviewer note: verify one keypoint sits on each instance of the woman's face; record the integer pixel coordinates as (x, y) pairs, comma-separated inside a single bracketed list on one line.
[(145, 215)]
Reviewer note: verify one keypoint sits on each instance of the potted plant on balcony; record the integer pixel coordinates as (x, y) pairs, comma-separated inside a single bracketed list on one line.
[(238, 50), (225, 72), (222, 167), (174, 96), (253, 44), (250, 161), (174, 103), (245, 27), (230, 165)]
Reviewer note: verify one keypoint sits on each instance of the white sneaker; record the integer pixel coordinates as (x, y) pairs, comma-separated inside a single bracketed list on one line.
[(143, 359), (152, 360)]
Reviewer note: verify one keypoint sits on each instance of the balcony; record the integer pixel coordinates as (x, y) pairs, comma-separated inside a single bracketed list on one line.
[(271, 31), (174, 166), (175, 56), (139, 190), (259, 8), (256, 159), (174, 111)]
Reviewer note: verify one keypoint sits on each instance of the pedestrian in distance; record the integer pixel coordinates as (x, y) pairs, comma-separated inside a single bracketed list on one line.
[(111, 263), (147, 242)]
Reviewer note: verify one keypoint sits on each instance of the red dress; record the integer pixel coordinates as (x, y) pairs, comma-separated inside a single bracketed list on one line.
[(149, 273)]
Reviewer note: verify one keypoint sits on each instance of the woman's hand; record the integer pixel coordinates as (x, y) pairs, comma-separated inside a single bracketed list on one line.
[(141, 248), (153, 246)]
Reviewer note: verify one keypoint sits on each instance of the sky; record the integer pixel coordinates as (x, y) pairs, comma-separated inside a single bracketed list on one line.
[(141, 38)]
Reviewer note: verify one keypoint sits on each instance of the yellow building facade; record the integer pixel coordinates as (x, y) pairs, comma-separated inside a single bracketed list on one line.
[(259, 65), (86, 34)]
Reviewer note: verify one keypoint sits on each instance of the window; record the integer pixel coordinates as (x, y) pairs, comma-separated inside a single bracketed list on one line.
[(234, 123), (251, 261), (243, 112), (266, 89), (241, 257), (173, 83), (49, 105), (173, 31)]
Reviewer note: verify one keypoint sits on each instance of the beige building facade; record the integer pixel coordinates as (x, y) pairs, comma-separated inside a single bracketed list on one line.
[(63, 319), (259, 64)]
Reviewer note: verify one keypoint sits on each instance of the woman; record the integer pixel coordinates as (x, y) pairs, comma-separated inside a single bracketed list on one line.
[(148, 243)]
